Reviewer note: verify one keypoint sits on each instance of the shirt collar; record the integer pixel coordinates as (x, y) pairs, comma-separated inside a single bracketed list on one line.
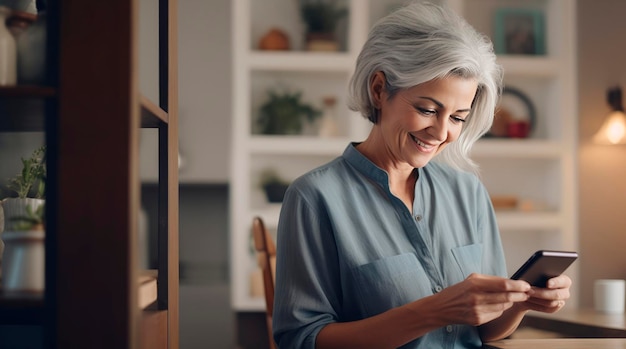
[(365, 166)]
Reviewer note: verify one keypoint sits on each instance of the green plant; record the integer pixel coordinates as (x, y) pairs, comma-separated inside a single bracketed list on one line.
[(32, 176), (321, 16), (270, 176), (283, 113)]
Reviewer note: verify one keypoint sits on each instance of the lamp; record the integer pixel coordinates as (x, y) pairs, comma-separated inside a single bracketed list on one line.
[(613, 130)]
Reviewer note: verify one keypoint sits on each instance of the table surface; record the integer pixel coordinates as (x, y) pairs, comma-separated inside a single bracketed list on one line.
[(559, 343), (586, 317)]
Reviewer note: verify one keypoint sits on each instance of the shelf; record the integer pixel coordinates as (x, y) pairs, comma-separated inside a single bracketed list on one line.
[(297, 145), (251, 304), (147, 290), (519, 220), (89, 119), (27, 308), (26, 91), (151, 114), (311, 145), (22, 108), (21, 309), (539, 168), (301, 61), (269, 214), (517, 148)]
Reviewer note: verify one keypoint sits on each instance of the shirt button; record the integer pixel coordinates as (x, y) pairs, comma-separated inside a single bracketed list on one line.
[(438, 288), (449, 328), (418, 218)]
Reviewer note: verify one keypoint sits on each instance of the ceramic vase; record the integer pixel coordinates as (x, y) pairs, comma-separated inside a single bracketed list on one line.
[(31, 53), (328, 123), (18, 22), (321, 42), (8, 51), (23, 262), (24, 251)]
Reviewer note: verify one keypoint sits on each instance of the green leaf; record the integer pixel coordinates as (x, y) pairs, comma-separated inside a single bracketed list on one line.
[(32, 175)]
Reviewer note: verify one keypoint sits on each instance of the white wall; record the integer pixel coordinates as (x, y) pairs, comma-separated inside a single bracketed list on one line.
[(204, 74), (205, 86), (602, 169)]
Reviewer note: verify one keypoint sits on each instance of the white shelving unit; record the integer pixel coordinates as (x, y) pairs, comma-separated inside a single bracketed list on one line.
[(539, 170)]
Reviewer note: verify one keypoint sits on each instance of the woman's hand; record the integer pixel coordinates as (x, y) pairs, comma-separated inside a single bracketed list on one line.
[(482, 298), (551, 298), (477, 300)]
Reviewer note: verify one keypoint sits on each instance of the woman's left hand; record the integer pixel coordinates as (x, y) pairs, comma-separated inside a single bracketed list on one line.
[(551, 298)]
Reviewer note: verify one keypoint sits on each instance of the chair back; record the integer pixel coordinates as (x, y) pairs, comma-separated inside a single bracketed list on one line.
[(266, 259)]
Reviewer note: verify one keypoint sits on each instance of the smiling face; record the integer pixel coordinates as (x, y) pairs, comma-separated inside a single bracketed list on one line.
[(417, 123)]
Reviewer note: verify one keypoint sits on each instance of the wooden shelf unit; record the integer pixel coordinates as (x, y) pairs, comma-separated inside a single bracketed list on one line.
[(539, 170), (91, 113)]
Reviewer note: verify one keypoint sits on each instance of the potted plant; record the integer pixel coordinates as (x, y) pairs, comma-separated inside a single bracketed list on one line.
[(273, 185), (24, 232), (321, 18), (285, 113)]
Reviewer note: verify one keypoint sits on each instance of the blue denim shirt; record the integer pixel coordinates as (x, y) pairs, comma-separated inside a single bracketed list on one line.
[(348, 249)]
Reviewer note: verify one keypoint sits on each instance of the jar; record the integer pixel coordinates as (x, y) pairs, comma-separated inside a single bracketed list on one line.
[(31, 52), (328, 124)]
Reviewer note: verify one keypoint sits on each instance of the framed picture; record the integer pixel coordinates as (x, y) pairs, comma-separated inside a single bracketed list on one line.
[(519, 32)]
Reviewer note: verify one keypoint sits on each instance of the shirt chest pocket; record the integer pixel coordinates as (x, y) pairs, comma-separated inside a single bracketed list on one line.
[(469, 258), (389, 282)]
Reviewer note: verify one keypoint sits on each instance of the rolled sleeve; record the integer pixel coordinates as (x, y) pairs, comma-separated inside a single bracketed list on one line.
[(305, 296)]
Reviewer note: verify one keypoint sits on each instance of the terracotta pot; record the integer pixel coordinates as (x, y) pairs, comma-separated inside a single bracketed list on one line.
[(275, 39)]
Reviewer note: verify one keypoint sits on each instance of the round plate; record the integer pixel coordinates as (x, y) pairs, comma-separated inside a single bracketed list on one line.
[(514, 107)]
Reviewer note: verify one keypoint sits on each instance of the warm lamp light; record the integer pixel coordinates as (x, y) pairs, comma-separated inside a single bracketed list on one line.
[(613, 130)]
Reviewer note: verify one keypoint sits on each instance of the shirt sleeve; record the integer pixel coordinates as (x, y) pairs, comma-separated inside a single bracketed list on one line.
[(308, 287)]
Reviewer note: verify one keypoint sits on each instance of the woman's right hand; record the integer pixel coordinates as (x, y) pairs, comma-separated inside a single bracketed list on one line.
[(479, 299)]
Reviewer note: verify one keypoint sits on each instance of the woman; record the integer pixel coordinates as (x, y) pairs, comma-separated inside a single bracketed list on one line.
[(383, 247)]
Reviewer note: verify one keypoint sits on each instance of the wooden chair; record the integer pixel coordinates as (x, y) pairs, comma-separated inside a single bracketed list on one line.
[(266, 258)]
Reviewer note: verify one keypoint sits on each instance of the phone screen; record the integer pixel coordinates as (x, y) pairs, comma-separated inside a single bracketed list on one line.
[(543, 265)]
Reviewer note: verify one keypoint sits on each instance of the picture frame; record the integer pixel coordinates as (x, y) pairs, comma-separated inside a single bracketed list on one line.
[(519, 31)]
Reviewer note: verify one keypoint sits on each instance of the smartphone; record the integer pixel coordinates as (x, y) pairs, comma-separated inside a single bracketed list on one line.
[(543, 265)]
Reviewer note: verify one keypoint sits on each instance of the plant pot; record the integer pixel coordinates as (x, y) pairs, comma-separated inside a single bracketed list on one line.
[(275, 192), (17, 207), (321, 42), (23, 262), (10, 209)]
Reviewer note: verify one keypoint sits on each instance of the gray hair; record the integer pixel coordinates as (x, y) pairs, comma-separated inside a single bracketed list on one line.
[(421, 42)]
